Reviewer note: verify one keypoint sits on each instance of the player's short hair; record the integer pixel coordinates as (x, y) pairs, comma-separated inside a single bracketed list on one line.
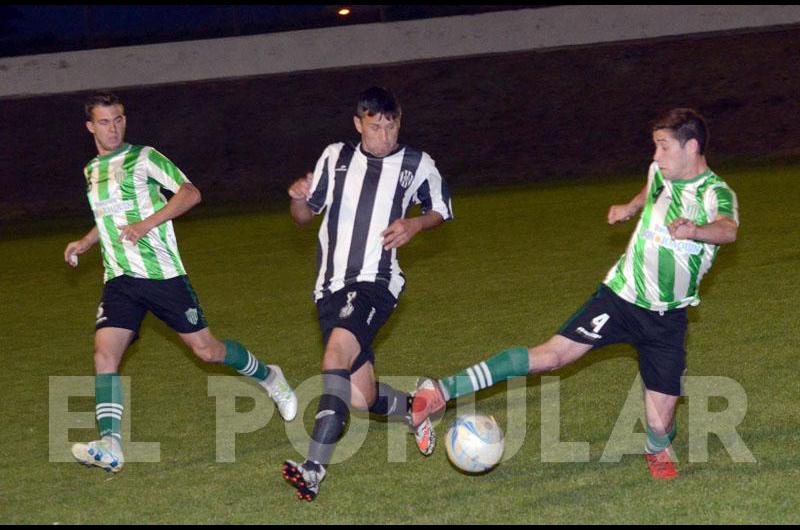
[(686, 124), (378, 100), (101, 99)]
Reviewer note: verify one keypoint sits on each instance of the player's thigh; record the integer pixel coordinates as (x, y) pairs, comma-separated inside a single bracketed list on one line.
[(109, 346), (119, 308), (174, 301), (602, 320), (360, 309), (662, 350), (558, 350), (362, 386), (341, 350)]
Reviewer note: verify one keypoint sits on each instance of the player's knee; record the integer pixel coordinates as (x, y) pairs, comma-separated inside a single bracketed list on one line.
[(361, 402), (335, 359), (208, 353), (105, 361)]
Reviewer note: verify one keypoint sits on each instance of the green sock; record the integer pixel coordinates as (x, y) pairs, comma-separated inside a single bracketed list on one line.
[(656, 444), (238, 358), (504, 365), (108, 396)]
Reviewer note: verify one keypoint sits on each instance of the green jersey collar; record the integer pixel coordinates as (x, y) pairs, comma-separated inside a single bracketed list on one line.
[(124, 147)]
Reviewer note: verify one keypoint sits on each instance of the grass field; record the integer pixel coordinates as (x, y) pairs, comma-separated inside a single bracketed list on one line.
[(508, 271)]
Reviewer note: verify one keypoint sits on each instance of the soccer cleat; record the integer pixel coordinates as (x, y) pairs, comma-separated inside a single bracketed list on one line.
[(428, 400), (661, 466), (425, 437), (280, 392), (99, 453), (305, 477)]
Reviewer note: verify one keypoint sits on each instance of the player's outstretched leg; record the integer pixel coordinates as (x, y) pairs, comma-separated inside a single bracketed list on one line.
[(432, 395), (270, 377), (305, 477)]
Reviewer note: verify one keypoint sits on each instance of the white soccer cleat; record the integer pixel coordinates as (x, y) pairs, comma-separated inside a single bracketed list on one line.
[(281, 393), (99, 453)]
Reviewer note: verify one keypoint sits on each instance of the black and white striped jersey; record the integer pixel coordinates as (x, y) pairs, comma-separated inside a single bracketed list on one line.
[(362, 195)]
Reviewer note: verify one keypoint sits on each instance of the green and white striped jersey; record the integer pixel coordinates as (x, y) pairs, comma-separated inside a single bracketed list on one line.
[(660, 273), (123, 188)]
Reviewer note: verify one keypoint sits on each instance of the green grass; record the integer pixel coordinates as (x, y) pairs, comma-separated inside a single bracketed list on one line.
[(508, 271)]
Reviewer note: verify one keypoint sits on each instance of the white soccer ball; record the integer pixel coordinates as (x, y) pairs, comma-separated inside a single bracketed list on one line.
[(474, 443)]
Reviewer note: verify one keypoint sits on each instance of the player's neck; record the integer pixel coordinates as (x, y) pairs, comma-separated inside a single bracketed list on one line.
[(695, 170)]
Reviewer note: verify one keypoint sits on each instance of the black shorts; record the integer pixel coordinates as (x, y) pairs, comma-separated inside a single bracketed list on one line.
[(659, 336), (361, 308), (126, 300)]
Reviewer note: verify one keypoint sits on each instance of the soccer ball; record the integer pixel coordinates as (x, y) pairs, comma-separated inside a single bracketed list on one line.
[(474, 443)]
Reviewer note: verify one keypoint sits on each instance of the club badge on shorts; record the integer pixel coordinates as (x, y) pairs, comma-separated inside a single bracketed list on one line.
[(347, 310), (191, 316)]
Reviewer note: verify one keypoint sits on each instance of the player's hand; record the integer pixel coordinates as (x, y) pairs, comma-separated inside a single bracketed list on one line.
[(619, 212), (73, 250), (399, 233), (134, 232), (682, 229), (301, 188)]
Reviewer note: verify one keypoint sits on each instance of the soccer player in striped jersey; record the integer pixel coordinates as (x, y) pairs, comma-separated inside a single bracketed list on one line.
[(366, 191), (687, 213), (144, 271)]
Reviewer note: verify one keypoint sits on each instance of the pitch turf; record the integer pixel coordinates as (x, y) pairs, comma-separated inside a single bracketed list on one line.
[(508, 271)]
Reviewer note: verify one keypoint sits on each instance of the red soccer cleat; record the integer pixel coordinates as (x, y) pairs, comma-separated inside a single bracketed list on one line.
[(428, 400), (661, 466)]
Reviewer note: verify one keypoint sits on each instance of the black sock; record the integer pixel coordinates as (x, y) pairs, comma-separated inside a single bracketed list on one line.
[(334, 408), (389, 402)]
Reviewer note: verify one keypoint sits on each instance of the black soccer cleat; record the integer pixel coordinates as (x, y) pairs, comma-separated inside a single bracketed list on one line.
[(304, 477)]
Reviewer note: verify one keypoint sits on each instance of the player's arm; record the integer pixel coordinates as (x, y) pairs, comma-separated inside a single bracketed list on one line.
[(75, 248), (402, 231), (624, 212), (722, 230), (299, 192), (184, 200)]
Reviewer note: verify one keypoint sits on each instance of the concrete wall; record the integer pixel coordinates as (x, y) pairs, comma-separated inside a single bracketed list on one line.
[(373, 44)]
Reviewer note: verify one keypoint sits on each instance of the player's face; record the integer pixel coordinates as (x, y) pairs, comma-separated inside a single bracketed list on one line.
[(378, 133), (108, 127), (675, 162)]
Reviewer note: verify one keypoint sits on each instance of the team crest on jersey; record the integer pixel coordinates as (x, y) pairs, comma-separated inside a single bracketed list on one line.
[(347, 310), (192, 316), (406, 176), (119, 175), (692, 212)]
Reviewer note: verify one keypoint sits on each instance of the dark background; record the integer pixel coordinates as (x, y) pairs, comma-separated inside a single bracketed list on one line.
[(539, 116), (34, 29)]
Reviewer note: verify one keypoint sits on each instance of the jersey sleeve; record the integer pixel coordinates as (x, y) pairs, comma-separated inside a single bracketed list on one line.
[(721, 200), (162, 170), (318, 194), (432, 192)]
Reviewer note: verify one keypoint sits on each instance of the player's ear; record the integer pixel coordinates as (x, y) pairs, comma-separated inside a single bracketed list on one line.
[(90, 126), (357, 123), (693, 145)]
